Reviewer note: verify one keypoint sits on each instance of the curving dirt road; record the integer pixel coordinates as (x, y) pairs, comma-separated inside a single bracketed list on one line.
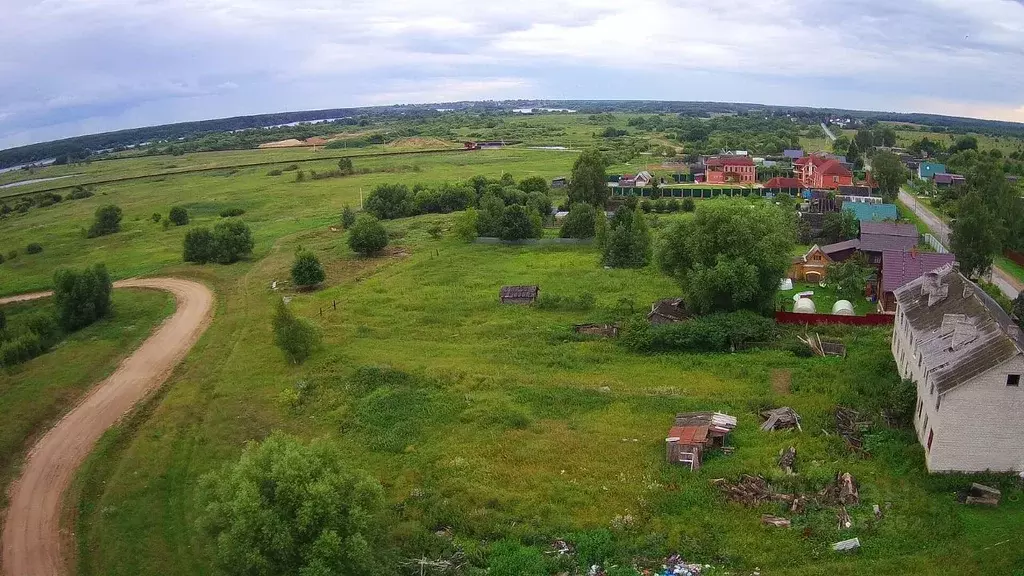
[(31, 536)]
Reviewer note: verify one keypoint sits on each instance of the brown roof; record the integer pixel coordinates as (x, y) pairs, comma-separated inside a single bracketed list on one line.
[(889, 229), (669, 308), (840, 246), (900, 267), (882, 242), (780, 182), (961, 332), (519, 291), (730, 161), (689, 435)]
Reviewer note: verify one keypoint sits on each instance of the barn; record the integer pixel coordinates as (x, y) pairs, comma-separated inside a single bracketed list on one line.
[(518, 294)]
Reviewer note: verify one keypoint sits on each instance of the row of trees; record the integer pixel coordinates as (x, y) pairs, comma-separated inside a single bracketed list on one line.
[(389, 201), (228, 242)]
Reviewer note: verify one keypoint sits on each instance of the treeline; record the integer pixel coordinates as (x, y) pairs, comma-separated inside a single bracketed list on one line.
[(23, 204)]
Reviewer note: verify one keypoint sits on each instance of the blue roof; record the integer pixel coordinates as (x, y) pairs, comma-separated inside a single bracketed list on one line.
[(928, 169), (797, 153), (869, 212)]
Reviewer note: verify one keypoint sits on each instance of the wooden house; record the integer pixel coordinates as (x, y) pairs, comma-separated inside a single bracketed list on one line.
[(518, 294), (667, 311), (693, 434)]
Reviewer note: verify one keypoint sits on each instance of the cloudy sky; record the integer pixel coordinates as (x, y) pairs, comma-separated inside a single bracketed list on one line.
[(70, 67)]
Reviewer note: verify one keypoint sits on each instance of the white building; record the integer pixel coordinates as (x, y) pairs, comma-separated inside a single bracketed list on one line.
[(966, 357)]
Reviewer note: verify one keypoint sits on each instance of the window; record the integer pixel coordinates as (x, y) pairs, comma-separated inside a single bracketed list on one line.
[(933, 390), (920, 359), (920, 407), (925, 427), (931, 436), (938, 401), (1013, 380)]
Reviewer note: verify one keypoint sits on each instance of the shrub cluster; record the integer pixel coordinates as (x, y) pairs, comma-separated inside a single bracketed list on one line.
[(231, 212), (31, 338), (23, 204), (81, 296), (296, 337), (178, 216), (108, 221), (33, 248), (712, 333), (566, 303), (229, 242), (668, 205)]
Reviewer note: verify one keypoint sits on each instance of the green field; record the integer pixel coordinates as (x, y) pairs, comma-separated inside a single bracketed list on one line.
[(35, 394), (511, 426)]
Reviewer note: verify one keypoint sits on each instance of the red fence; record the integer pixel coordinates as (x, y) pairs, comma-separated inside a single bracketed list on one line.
[(1017, 257), (782, 317)]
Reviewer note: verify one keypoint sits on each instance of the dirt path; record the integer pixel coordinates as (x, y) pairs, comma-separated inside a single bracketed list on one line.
[(31, 536)]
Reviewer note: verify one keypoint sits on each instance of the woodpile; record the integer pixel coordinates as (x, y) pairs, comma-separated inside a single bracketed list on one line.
[(982, 495), (787, 460), (777, 521), (824, 346), (780, 419), (843, 490), (603, 330), (750, 490), (844, 518), (851, 427)]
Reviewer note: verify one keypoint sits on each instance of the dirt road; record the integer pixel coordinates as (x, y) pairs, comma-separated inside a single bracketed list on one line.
[(31, 536)]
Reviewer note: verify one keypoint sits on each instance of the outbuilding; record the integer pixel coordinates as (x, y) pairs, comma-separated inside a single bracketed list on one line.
[(519, 294), (693, 433)]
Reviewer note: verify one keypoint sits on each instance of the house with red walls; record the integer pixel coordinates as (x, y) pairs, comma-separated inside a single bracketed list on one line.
[(730, 170), (821, 172)]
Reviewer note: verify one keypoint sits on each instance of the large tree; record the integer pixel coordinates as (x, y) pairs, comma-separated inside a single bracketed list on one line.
[(975, 236), (889, 172), (839, 226), (589, 183), (730, 255), (580, 222), (389, 201), (865, 139), (629, 240), (81, 296), (849, 276), (289, 508)]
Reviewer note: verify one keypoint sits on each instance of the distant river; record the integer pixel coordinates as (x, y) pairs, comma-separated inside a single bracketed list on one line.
[(35, 180)]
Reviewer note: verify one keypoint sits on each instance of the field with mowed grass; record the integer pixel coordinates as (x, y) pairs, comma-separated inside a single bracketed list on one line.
[(35, 394), (481, 421)]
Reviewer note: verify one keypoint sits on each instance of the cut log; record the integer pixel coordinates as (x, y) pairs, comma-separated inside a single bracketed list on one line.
[(777, 521), (787, 459), (799, 505), (843, 516), (850, 545), (848, 490), (877, 511)]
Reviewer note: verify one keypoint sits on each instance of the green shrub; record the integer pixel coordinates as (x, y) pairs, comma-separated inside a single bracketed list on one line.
[(156, 217), (580, 222), (20, 348), (300, 176), (573, 303), (2, 259), (33, 248), (178, 216), (518, 223), (509, 558), (673, 205), (3, 324), (593, 547), (231, 212), (290, 168), (296, 337), (45, 326), (81, 296), (348, 217), (79, 193), (306, 270), (712, 333), (389, 201), (199, 246), (275, 172), (367, 236), (232, 241), (466, 225), (12, 254), (108, 221), (689, 205)]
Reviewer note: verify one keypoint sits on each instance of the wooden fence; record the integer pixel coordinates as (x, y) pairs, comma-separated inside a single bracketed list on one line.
[(1016, 257), (783, 317)]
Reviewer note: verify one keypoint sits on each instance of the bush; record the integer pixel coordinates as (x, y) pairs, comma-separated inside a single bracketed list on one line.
[(296, 337), (275, 172), (345, 166), (580, 222), (712, 333), (348, 217), (518, 223), (307, 271), (81, 296), (232, 241), (79, 193), (20, 348), (435, 230), (629, 240), (12, 254), (389, 201), (165, 223), (231, 212), (33, 248), (367, 236), (199, 246), (289, 508), (2, 259), (291, 168), (108, 221), (178, 216), (300, 176), (509, 558), (575, 303), (689, 205), (466, 225), (155, 217)]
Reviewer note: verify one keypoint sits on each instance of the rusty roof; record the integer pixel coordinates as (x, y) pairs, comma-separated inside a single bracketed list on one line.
[(689, 435), (960, 331)]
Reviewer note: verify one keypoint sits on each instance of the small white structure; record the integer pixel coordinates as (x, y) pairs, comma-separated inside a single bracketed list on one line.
[(843, 308), (786, 284), (804, 306)]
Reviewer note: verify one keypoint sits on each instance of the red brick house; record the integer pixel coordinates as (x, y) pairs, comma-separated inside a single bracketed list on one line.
[(818, 171), (731, 170), (781, 183)]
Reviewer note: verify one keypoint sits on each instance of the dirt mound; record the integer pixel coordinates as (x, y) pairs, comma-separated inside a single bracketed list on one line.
[(418, 143), (289, 143)]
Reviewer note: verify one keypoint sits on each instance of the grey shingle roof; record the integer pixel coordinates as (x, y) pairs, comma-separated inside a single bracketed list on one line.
[(959, 331), (889, 229)]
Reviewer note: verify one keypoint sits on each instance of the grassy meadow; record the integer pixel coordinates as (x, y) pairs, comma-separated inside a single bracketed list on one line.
[(491, 420)]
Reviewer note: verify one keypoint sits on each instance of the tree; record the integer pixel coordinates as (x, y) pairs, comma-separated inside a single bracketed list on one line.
[(348, 217), (865, 139), (296, 337), (580, 222), (367, 236), (1018, 309), (81, 296), (345, 166), (108, 221), (178, 216), (963, 143), (199, 246), (232, 241), (541, 203), (600, 230), (534, 184), (852, 152), (588, 183), (389, 201), (289, 508), (841, 145), (516, 224), (890, 174), (839, 226), (885, 136), (849, 276), (306, 270), (974, 237), (629, 240), (466, 225), (689, 205), (491, 211), (730, 255)]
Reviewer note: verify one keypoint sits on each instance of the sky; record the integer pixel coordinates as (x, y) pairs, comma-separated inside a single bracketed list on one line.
[(72, 67)]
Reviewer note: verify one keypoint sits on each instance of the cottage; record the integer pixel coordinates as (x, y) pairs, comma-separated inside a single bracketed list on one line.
[(560, 182), (841, 251), (927, 170), (901, 267), (823, 172), (730, 170), (694, 433), (811, 267), (872, 212), (518, 294), (667, 311), (966, 358), (947, 180)]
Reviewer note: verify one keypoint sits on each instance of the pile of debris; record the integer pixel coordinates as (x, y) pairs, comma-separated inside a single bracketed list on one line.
[(603, 330), (851, 427), (676, 566), (787, 460), (780, 419), (842, 490), (982, 495), (824, 346), (750, 491)]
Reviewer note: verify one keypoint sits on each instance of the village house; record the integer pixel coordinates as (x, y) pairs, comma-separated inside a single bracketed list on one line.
[(560, 182), (947, 180), (901, 267), (730, 170), (639, 180), (667, 311), (823, 172), (927, 170), (782, 184), (518, 294), (879, 237), (693, 433), (965, 357), (866, 212), (811, 267)]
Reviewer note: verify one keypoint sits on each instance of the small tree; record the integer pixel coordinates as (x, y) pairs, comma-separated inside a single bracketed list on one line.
[(600, 229), (178, 216), (689, 205), (199, 246), (491, 211), (389, 201), (108, 221), (465, 225), (296, 337), (517, 224), (367, 236), (889, 172), (580, 222), (629, 240), (588, 183), (81, 296), (306, 270), (849, 276), (33, 248), (839, 226), (348, 217), (534, 184), (345, 166), (290, 508), (232, 240)]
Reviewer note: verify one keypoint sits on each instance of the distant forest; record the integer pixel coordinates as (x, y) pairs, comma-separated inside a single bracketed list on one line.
[(240, 131)]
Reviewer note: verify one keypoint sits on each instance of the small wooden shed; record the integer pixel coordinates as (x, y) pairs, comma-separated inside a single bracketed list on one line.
[(518, 294), (693, 433), (667, 311)]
